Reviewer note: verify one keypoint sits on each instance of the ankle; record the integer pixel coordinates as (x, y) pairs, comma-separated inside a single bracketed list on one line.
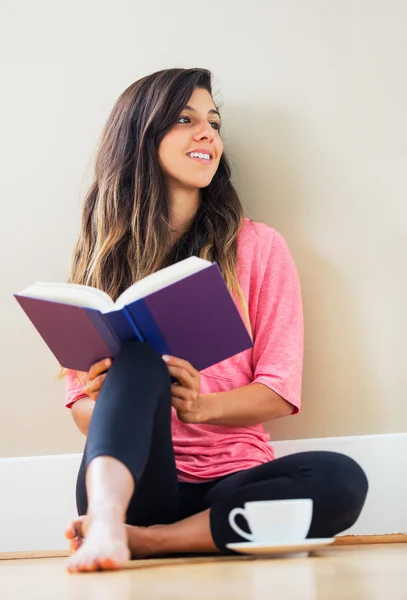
[(155, 539), (145, 541), (110, 510)]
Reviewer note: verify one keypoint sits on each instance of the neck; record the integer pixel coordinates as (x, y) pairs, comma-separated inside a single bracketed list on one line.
[(183, 205)]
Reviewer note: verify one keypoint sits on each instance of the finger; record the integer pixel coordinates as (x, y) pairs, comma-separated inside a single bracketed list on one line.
[(180, 362), (70, 532), (179, 405), (74, 545), (95, 385), (183, 376), (181, 392), (99, 367), (178, 391)]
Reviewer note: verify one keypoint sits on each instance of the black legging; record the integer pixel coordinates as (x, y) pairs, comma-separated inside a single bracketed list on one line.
[(131, 421)]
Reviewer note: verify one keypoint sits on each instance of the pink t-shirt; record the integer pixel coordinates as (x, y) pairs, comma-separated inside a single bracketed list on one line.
[(271, 287)]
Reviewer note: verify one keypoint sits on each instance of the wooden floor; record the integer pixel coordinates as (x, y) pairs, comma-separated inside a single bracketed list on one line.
[(340, 573)]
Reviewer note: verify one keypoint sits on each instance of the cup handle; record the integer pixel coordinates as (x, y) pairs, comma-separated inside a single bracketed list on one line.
[(233, 513)]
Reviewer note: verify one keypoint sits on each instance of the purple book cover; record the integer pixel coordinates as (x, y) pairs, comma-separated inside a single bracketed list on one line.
[(198, 319), (77, 336), (195, 319)]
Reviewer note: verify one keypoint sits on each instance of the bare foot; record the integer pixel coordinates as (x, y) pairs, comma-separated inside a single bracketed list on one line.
[(138, 538), (98, 543)]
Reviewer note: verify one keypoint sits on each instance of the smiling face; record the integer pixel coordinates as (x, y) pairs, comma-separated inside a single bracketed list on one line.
[(190, 152)]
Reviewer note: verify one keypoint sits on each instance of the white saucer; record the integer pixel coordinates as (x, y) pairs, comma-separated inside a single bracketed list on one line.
[(307, 545)]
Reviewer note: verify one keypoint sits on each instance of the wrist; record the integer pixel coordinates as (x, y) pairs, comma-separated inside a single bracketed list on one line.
[(210, 409)]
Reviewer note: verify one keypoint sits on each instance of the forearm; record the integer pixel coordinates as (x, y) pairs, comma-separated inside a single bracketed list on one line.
[(82, 412), (245, 406)]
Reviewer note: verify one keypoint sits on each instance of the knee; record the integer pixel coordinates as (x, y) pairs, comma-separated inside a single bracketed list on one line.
[(346, 486), (142, 351), (139, 358), (351, 480)]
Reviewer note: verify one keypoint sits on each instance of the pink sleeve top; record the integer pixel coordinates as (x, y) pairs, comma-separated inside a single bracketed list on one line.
[(271, 287)]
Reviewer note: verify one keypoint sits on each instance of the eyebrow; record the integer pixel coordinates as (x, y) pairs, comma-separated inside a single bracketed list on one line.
[(212, 111)]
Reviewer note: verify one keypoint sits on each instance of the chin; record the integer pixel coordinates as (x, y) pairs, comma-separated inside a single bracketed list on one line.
[(198, 183)]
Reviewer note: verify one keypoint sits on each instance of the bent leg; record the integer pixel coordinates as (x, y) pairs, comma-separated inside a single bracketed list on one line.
[(336, 484), (132, 423), (128, 469)]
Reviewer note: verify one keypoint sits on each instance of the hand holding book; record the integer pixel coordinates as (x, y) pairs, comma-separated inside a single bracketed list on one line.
[(184, 310), (96, 377), (185, 394)]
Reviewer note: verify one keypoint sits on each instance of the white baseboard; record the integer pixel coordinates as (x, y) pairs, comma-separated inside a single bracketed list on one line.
[(37, 496)]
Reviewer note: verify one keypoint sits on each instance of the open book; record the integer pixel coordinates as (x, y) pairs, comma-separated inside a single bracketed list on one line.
[(184, 310)]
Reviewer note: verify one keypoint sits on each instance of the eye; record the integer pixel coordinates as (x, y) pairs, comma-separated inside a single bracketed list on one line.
[(184, 119), (215, 125)]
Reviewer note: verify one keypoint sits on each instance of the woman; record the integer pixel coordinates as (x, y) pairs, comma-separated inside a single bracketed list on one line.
[(165, 463)]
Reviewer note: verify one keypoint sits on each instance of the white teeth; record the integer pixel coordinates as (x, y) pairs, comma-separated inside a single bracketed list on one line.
[(199, 155)]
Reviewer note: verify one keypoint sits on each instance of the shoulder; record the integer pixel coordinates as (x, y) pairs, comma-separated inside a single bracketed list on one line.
[(258, 240)]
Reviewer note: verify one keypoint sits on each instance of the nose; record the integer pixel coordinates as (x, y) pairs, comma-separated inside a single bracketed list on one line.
[(204, 131)]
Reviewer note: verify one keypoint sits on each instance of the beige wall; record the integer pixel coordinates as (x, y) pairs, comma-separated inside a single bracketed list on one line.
[(315, 97)]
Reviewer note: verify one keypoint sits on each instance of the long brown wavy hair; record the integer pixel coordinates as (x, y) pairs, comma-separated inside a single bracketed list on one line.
[(125, 232)]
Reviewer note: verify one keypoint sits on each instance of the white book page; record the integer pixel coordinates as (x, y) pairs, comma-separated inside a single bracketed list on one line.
[(70, 293), (161, 279), (90, 297)]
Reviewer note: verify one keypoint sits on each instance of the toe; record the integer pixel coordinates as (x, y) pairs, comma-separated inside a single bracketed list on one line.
[(78, 565), (78, 561), (109, 564), (71, 565), (86, 559)]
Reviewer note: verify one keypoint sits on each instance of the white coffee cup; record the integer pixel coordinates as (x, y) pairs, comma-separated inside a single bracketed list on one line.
[(274, 521)]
